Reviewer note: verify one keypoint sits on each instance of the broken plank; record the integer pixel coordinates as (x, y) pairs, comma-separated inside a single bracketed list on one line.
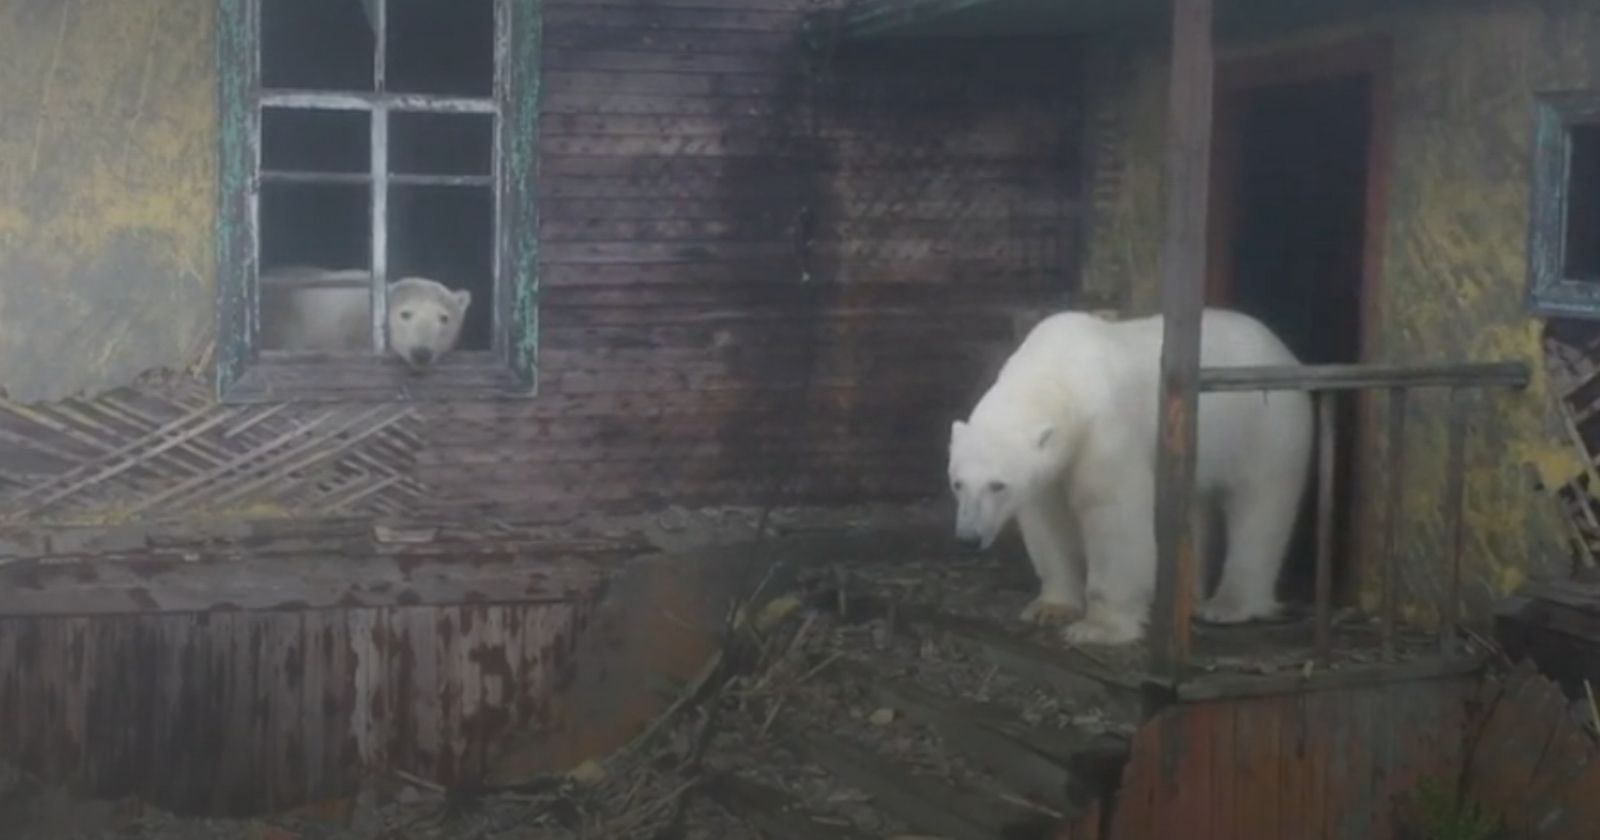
[(1026, 772), (773, 812), (1070, 672), (927, 804)]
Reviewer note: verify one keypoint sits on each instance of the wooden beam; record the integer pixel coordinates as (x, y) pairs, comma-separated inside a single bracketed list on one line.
[(315, 581), (1323, 644), (1233, 686), (107, 573), (1182, 297), (1362, 377)]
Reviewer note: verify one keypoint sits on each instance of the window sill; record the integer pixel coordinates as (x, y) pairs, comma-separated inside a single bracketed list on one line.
[(300, 377)]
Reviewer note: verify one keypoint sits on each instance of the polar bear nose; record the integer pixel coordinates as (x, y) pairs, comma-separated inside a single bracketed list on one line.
[(421, 356)]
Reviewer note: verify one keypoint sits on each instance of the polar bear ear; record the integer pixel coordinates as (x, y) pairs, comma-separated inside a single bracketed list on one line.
[(463, 299), (1043, 435), (956, 428)]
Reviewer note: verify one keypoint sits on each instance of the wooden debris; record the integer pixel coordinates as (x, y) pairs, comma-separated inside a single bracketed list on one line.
[(1024, 769), (924, 803), (773, 811)]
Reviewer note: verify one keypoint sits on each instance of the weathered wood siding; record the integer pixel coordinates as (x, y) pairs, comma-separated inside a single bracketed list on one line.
[(1535, 764), (760, 262), (1327, 764), (239, 712), (754, 260), (1355, 762), (1454, 269)]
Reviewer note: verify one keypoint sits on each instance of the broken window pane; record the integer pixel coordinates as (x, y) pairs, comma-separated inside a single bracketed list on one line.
[(441, 144), (316, 45), (324, 225), (295, 140), (446, 234), (444, 47), (1583, 206)]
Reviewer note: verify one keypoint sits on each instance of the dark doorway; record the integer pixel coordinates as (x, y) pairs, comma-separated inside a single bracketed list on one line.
[(1290, 248)]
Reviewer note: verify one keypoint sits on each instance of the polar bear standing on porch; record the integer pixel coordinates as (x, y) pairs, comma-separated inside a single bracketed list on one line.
[(1065, 442)]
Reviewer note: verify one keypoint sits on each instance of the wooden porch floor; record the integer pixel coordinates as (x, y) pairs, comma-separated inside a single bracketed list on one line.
[(981, 597), (919, 704)]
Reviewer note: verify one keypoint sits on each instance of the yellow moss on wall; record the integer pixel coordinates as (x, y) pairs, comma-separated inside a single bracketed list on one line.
[(1454, 274), (107, 191), (1126, 107)]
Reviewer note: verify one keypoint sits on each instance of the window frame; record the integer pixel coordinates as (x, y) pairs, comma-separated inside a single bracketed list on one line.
[(243, 373), (1550, 293)]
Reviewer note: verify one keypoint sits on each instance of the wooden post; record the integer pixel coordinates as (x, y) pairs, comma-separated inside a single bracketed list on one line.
[(1391, 519), (1455, 503), (1323, 639), (1182, 297)]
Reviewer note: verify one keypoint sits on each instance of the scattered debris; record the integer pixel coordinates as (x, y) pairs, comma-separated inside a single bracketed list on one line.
[(588, 773)]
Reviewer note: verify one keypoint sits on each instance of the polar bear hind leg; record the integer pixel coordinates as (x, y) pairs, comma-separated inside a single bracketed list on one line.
[(1260, 524)]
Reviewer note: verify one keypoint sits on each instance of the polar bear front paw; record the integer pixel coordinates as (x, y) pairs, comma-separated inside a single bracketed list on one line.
[(1230, 611), (1103, 630), (1042, 612)]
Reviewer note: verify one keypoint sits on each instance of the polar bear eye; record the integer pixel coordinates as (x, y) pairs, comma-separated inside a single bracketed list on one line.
[(444, 319), (405, 314), (956, 486), (997, 487)]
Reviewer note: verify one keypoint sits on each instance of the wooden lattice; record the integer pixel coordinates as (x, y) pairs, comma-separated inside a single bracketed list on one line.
[(1572, 362), (172, 452)]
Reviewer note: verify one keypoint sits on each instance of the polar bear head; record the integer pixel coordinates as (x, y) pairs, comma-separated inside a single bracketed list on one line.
[(424, 319), (993, 471)]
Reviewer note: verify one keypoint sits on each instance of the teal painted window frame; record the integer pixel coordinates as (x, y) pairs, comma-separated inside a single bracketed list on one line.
[(509, 370), (1550, 293)]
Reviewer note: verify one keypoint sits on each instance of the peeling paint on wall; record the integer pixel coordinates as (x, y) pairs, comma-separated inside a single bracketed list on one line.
[(107, 191), (1455, 267)]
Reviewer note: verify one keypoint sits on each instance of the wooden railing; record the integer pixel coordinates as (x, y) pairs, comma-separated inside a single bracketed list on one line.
[(1325, 383)]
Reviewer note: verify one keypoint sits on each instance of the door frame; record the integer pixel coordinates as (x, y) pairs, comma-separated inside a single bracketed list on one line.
[(1237, 74)]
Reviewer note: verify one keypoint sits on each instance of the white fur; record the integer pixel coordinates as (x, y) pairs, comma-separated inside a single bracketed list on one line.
[(424, 316), (1065, 442)]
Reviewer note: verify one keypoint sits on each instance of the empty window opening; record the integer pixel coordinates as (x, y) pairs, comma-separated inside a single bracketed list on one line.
[(1582, 251), (378, 133)]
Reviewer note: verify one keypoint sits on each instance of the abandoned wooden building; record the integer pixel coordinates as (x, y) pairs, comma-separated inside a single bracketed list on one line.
[(734, 266)]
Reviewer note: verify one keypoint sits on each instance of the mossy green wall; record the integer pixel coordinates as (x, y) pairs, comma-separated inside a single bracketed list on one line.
[(107, 191), (1454, 269)]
